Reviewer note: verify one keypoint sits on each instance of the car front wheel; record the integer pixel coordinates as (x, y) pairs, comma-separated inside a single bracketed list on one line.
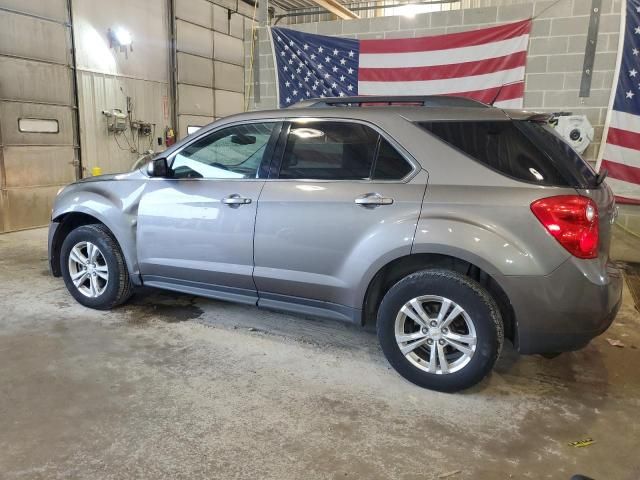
[(93, 268), (440, 330)]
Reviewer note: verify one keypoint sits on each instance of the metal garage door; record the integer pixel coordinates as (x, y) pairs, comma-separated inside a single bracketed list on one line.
[(38, 141), (210, 63)]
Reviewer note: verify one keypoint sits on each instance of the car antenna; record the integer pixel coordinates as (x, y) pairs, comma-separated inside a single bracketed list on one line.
[(499, 92)]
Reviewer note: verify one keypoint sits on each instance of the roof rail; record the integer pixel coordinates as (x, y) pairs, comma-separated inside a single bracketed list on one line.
[(423, 101)]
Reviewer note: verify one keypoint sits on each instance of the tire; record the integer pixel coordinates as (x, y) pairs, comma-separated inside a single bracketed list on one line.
[(109, 269), (477, 317)]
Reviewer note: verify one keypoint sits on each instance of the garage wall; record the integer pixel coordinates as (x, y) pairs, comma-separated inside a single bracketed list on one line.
[(106, 77), (555, 57), (38, 144), (209, 60)]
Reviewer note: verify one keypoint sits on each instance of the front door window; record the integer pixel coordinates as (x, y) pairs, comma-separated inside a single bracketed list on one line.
[(231, 153)]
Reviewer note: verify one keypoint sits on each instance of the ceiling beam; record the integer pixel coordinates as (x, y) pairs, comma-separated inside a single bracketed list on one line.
[(335, 7)]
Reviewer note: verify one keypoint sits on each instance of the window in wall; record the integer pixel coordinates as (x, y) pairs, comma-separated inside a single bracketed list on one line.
[(38, 125), (233, 152)]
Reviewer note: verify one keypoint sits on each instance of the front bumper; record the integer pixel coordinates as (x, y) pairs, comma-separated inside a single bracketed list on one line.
[(565, 310)]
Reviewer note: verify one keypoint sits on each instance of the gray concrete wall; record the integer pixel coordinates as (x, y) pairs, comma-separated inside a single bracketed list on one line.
[(555, 56)]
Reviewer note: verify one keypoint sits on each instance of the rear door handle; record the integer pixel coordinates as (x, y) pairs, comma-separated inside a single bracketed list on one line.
[(235, 200), (373, 200)]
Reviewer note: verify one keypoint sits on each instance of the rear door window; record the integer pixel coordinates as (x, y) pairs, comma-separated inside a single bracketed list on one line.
[(521, 150), (390, 165), (328, 150)]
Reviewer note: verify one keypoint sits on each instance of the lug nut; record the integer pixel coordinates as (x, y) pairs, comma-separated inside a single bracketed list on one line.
[(445, 330), (425, 330), (429, 342), (441, 342), (434, 323)]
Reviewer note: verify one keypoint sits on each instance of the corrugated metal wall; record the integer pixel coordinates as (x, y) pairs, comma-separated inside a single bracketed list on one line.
[(99, 91), (36, 82), (107, 76)]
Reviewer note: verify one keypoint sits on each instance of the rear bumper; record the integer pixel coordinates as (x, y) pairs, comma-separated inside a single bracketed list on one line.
[(564, 310)]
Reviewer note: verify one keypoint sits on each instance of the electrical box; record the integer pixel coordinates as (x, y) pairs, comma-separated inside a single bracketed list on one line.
[(143, 128), (116, 120)]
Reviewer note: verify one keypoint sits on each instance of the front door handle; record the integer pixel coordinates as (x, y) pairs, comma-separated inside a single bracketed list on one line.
[(235, 200), (373, 200)]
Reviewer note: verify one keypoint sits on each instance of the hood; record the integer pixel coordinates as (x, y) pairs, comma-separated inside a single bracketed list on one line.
[(135, 175)]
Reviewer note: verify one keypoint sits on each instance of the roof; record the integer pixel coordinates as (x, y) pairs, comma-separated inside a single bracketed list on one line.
[(409, 100), (412, 108)]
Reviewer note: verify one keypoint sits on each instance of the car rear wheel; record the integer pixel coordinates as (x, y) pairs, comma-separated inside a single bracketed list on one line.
[(440, 330), (93, 268)]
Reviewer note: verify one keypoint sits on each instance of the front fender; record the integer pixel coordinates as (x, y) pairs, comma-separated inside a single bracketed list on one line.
[(110, 205)]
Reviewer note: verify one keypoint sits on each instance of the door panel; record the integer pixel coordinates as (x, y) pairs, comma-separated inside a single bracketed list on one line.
[(313, 241), (195, 229), (187, 233)]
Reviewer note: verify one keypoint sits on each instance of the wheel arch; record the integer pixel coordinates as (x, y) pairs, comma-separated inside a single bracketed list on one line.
[(69, 221), (398, 268)]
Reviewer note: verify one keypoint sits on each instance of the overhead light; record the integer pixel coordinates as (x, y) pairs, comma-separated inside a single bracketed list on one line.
[(120, 39), (123, 36)]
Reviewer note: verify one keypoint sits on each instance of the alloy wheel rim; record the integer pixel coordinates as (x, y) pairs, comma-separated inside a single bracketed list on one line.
[(435, 334), (88, 269)]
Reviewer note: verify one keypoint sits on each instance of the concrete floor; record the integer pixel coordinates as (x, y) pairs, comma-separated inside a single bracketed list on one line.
[(173, 386)]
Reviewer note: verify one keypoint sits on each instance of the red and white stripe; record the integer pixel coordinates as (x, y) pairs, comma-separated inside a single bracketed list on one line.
[(621, 156), (473, 64)]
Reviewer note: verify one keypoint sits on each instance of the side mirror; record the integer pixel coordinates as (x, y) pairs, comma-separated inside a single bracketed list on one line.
[(158, 168)]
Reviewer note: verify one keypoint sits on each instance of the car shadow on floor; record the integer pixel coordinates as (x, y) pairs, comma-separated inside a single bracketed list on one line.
[(170, 307)]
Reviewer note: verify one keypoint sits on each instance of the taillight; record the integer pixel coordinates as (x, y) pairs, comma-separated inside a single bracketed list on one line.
[(572, 220)]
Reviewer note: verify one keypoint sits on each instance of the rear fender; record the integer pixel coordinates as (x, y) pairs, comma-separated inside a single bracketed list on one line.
[(487, 247)]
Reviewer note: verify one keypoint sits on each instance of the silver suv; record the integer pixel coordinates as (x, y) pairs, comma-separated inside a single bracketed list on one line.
[(449, 224)]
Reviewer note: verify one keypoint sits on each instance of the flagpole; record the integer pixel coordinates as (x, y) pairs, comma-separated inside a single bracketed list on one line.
[(616, 76), (275, 65)]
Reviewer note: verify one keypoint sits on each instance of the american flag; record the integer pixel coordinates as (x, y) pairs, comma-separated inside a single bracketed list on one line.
[(620, 152), (484, 64)]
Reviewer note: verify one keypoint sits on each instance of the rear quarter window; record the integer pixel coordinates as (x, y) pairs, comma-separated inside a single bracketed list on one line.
[(518, 149)]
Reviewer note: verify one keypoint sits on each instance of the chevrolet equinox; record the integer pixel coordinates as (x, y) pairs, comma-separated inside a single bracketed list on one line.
[(450, 224)]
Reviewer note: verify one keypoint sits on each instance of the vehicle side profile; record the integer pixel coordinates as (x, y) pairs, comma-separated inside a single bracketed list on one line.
[(449, 224)]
